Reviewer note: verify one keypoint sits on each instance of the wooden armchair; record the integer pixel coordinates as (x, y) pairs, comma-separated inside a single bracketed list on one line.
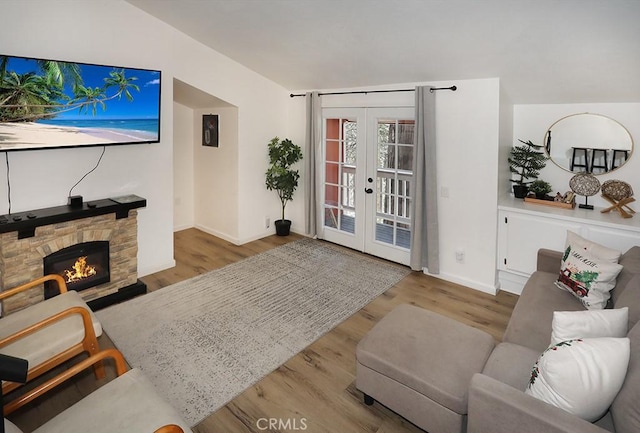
[(129, 403), (49, 333)]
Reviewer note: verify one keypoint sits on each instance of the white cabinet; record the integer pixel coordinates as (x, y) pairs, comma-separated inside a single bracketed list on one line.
[(524, 228), (525, 234)]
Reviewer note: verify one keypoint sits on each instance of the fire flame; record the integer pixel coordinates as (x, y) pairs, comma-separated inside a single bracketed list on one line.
[(80, 270)]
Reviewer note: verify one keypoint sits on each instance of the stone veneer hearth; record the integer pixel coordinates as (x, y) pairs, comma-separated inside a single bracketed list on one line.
[(21, 259)]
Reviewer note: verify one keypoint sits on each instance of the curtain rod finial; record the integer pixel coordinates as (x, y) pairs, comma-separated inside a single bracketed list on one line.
[(452, 88)]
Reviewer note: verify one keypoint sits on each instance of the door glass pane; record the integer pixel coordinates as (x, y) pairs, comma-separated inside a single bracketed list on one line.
[(386, 155), (350, 136), (331, 173), (405, 132), (403, 235), (340, 168), (405, 158), (332, 151), (331, 217), (384, 230), (331, 195), (393, 179)]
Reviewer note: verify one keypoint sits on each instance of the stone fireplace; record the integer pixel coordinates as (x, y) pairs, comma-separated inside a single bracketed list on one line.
[(34, 240)]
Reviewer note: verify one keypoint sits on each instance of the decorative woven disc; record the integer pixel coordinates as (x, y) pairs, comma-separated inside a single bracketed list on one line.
[(616, 189), (584, 184)]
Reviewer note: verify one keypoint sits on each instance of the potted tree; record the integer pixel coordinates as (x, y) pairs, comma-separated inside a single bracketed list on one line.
[(280, 177), (525, 161), (540, 188)]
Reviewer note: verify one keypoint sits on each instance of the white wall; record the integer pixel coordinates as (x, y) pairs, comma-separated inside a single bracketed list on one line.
[(216, 171), (506, 143), (531, 122), (261, 109), (467, 128), (115, 32), (183, 167), (468, 136)]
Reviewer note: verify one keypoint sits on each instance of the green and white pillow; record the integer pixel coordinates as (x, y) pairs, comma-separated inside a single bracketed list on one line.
[(588, 277), (577, 242), (581, 376)]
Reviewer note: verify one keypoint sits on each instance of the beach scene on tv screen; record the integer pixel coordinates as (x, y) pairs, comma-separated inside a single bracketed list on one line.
[(46, 103)]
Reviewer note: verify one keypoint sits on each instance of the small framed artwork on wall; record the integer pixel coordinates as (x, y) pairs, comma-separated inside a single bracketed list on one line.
[(210, 130)]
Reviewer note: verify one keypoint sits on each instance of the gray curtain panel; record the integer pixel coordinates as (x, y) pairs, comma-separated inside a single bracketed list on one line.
[(312, 157), (424, 212)]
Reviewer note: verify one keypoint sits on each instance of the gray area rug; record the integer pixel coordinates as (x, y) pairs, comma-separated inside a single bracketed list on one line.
[(205, 340)]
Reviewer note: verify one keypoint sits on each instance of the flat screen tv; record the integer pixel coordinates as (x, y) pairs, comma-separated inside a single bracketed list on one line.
[(51, 104)]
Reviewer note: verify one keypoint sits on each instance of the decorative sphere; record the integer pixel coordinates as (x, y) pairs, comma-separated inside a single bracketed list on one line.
[(584, 184)]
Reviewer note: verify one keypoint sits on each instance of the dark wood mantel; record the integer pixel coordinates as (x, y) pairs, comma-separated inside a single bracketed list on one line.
[(25, 223)]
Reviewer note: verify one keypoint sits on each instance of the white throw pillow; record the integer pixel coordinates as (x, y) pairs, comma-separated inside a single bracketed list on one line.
[(569, 325), (576, 242), (587, 277), (581, 376)]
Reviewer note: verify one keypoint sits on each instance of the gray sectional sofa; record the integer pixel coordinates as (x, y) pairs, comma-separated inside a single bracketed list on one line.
[(447, 377), (497, 402)]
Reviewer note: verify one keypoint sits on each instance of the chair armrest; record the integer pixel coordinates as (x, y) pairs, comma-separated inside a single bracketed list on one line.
[(549, 261), (62, 285), (89, 344), (83, 312), (499, 408), (121, 368), (169, 428)]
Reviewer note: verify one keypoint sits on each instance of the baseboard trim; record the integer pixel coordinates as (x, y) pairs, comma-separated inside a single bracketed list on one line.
[(241, 241), (218, 234), (512, 283), (142, 272), (485, 288)]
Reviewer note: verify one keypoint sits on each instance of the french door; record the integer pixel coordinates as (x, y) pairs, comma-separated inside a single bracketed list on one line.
[(368, 156)]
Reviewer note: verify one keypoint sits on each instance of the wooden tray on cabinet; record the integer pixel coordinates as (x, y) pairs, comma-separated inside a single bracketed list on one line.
[(552, 203)]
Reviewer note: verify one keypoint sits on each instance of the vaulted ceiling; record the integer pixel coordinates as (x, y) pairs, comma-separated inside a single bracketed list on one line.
[(543, 51)]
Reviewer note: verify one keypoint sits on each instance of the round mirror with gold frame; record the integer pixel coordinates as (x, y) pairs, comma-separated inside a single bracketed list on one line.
[(588, 143)]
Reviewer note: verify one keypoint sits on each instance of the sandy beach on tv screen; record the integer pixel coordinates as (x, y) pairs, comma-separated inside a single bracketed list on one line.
[(26, 135)]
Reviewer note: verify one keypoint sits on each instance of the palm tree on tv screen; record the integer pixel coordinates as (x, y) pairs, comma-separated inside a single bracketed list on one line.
[(60, 72), (90, 97), (30, 97), (119, 80)]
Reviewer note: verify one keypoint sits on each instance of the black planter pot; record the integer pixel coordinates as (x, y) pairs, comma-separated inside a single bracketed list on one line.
[(283, 227), (520, 191)]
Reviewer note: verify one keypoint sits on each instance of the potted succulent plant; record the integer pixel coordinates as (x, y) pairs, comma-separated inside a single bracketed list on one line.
[(525, 161), (280, 177), (540, 188)]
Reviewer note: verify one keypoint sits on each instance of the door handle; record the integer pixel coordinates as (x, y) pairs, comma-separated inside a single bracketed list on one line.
[(368, 190)]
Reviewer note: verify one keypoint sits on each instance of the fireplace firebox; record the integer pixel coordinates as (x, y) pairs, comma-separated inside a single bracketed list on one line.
[(82, 266)]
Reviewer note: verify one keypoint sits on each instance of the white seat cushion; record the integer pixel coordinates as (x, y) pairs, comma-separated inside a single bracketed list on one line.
[(50, 341), (128, 403), (10, 427)]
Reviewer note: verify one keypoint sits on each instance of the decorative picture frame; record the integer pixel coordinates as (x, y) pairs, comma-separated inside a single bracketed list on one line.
[(210, 123)]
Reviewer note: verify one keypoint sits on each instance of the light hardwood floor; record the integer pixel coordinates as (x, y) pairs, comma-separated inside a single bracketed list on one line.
[(315, 390)]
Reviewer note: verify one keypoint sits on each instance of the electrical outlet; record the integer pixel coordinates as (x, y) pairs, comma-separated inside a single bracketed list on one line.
[(460, 256), (267, 222)]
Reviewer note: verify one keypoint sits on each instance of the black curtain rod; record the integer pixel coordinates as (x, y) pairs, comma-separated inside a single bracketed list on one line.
[(452, 88)]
